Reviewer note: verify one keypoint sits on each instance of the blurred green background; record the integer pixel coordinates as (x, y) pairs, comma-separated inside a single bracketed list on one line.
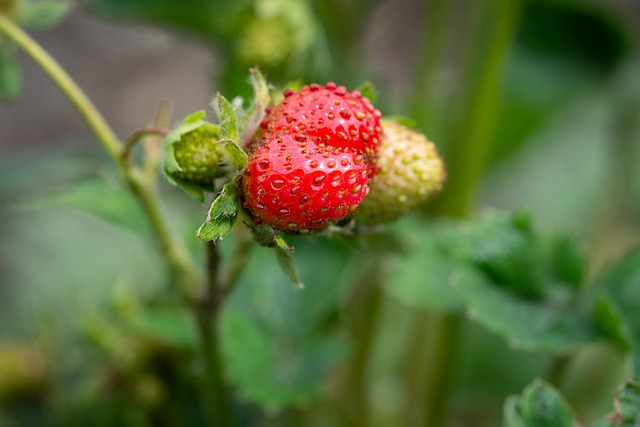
[(534, 105)]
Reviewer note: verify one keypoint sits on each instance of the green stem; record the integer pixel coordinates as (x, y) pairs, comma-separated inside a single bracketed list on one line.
[(469, 151), (558, 369), (363, 312), (181, 270), (207, 316), (68, 87), (426, 103), (468, 154)]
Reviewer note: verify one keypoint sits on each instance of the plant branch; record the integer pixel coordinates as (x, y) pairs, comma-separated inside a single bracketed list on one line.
[(135, 137), (182, 271), (208, 314), (68, 87)]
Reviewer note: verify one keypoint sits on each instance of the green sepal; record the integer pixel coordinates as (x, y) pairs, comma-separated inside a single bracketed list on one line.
[(269, 237), (250, 121), (229, 135), (539, 405), (287, 263), (43, 14), (368, 90), (227, 116), (10, 77), (222, 215)]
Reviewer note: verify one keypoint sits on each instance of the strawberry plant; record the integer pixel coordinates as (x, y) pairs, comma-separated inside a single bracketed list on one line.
[(300, 253)]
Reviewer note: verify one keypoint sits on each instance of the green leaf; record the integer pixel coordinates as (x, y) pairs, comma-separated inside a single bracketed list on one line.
[(256, 111), (402, 120), (557, 324), (539, 405), (278, 350), (368, 90), (43, 14), (568, 260), (627, 408), (423, 279), (621, 284), (288, 265), (500, 245), (10, 77), (166, 324), (609, 321), (222, 215), (102, 197)]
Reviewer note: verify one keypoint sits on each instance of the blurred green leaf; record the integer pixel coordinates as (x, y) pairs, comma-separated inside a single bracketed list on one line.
[(221, 216), (278, 349), (10, 77), (568, 260), (102, 197), (621, 284), (43, 14), (559, 323), (502, 246), (539, 405), (368, 90), (424, 280), (170, 325), (627, 408)]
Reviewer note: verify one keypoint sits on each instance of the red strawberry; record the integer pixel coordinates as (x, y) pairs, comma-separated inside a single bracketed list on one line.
[(330, 115), (294, 183)]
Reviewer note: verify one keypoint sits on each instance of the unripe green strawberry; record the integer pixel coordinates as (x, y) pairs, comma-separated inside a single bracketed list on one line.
[(267, 42), (409, 172), (199, 156)]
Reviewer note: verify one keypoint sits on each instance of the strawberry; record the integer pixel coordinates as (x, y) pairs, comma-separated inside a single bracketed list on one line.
[(295, 183), (328, 115), (198, 155), (409, 172)]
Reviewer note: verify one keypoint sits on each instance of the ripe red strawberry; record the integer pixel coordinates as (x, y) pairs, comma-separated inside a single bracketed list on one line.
[(330, 115), (294, 183)]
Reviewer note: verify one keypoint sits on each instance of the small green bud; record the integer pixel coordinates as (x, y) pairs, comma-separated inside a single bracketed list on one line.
[(409, 172), (266, 42), (194, 155)]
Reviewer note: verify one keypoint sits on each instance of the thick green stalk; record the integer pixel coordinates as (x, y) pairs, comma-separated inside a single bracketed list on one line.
[(207, 316), (363, 313), (470, 148), (468, 152)]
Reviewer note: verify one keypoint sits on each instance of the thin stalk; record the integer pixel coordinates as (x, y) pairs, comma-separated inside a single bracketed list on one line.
[(182, 272), (67, 86), (238, 261)]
